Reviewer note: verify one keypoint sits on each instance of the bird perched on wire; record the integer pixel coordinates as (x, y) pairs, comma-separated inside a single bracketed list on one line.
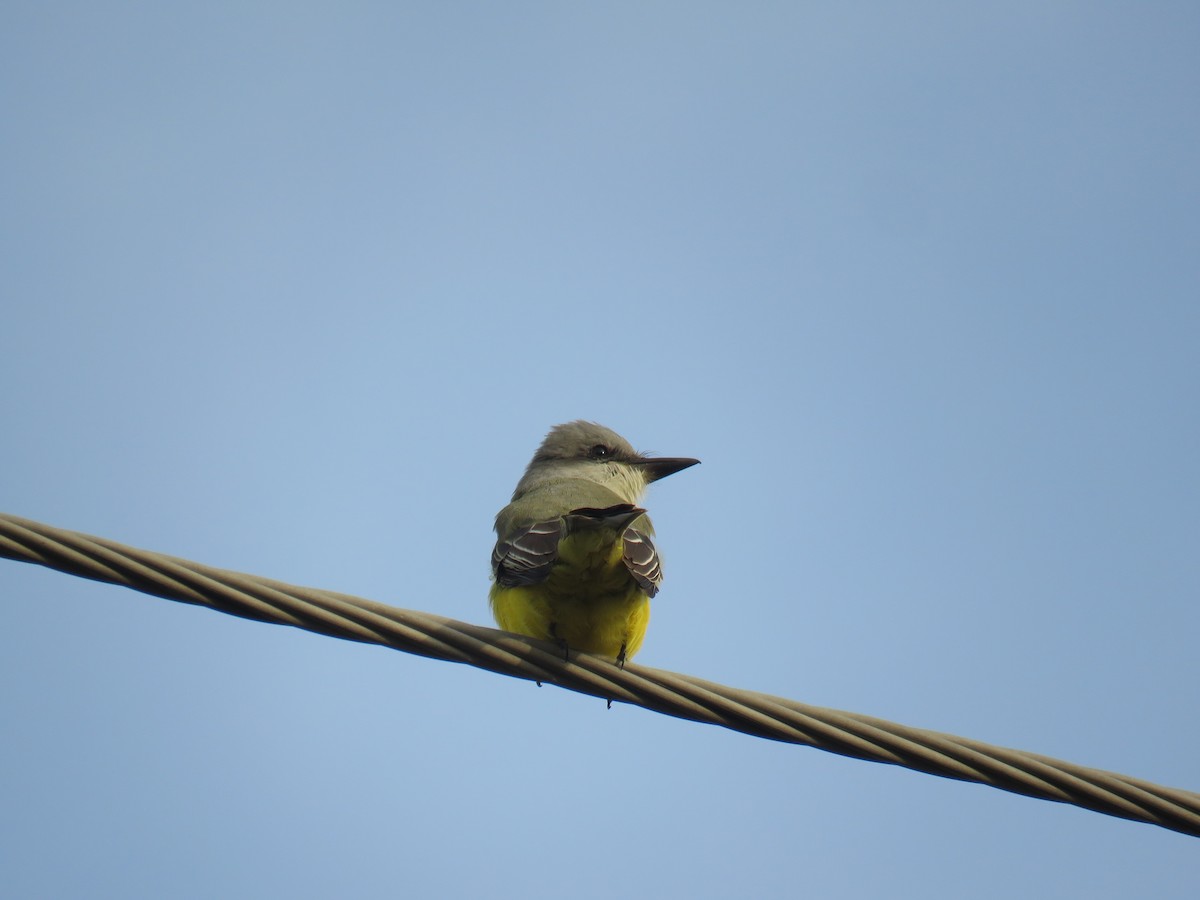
[(573, 560)]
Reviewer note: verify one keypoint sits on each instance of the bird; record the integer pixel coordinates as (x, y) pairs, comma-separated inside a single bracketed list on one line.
[(574, 562)]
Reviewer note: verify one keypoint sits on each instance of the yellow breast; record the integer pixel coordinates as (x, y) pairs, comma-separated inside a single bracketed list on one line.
[(589, 599)]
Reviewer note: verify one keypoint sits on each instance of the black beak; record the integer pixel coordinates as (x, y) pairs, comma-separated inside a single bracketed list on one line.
[(657, 467)]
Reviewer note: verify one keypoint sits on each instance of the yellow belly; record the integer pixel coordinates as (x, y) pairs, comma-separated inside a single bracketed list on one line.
[(589, 600)]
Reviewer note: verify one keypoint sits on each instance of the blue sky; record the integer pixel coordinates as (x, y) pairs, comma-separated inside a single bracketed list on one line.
[(296, 289)]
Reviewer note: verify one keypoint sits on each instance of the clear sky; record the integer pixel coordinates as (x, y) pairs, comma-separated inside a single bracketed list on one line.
[(297, 288)]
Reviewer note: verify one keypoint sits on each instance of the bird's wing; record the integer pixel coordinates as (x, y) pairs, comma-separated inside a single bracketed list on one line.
[(526, 557), (642, 560)]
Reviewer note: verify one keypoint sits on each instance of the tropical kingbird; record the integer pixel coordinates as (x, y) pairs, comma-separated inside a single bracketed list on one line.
[(573, 561)]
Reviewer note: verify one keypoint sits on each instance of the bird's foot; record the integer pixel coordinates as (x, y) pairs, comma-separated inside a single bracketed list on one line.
[(562, 642)]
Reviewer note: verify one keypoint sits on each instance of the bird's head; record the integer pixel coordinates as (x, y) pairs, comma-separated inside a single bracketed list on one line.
[(588, 450)]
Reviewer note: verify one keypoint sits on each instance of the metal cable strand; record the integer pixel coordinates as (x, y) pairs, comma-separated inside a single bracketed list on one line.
[(356, 619)]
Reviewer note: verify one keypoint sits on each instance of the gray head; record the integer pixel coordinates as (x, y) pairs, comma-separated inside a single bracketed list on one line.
[(584, 441), (587, 450)]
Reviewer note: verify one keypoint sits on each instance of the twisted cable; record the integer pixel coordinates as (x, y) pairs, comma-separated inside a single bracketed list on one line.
[(356, 619)]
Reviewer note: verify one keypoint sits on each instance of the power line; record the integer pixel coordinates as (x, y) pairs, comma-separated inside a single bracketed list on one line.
[(683, 696)]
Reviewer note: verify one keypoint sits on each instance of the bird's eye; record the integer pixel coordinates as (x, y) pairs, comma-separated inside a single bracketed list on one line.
[(600, 452)]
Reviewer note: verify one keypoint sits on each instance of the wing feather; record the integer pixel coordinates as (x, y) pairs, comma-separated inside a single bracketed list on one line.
[(641, 558), (527, 556)]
